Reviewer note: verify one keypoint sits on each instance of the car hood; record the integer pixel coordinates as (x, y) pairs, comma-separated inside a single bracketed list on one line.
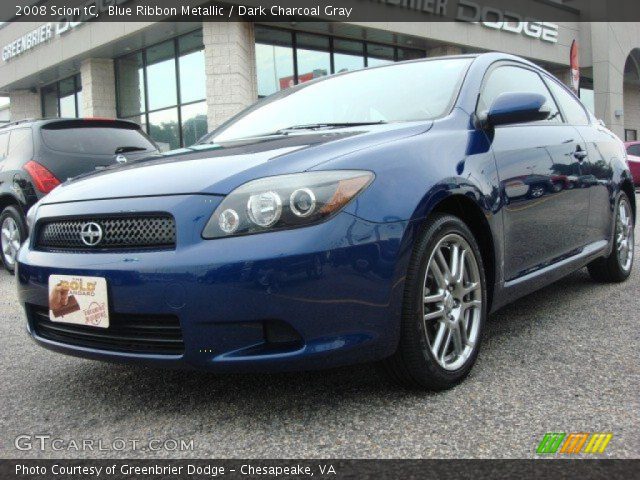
[(217, 169)]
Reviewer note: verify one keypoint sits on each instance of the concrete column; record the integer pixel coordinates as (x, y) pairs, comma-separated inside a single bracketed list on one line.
[(98, 88), (609, 104), (230, 65), (608, 77), (24, 104), (444, 50), (631, 104), (130, 89)]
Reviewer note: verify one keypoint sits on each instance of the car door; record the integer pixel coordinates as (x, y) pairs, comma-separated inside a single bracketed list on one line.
[(598, 176), (601, 146), (544, 214)]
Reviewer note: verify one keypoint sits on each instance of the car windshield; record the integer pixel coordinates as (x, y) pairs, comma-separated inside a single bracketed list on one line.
[(395, 93)]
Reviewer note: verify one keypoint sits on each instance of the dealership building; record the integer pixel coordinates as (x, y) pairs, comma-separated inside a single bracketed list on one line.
[(182, 79)]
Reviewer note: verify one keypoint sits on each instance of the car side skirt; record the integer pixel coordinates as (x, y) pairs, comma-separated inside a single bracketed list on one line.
[(514, 289)]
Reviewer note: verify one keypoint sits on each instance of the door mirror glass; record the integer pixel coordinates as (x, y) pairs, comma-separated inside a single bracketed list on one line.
[(517, 107)]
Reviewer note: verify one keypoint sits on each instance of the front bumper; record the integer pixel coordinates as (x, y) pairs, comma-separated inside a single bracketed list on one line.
[(337, 286)]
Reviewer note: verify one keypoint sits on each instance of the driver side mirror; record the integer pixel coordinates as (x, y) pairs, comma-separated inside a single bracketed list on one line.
[(515, 107)]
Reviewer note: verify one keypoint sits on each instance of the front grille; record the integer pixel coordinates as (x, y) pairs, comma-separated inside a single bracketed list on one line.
[(129, 233), (150, 334)]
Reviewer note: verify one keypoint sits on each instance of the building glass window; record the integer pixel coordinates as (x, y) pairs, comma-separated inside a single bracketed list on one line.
[(191, 65), (409, 54), (586, 94), (347, 55), (194, 122), (274, 60), (62, 98), (67, 97), (163, 128), (285, 58), (313, 55), (162, 88), (49, 95), (162, 82), (631, 135), (379, 55)]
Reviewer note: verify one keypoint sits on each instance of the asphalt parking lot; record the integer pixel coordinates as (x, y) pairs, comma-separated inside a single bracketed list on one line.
[(564, 359)]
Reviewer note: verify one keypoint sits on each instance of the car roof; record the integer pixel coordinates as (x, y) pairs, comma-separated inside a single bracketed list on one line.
[(486, 57), (484, 60)]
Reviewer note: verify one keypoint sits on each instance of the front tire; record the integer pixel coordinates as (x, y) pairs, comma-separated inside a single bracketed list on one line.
[(617, 266), (444, 308), (13, 231)]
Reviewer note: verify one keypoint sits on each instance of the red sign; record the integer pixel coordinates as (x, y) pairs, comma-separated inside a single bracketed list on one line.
[(575, 67), (286, 82)]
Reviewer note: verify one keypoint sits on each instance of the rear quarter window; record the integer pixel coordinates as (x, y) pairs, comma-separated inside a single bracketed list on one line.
[(634, 150), (4, 145), (20, 145), (96, 140)]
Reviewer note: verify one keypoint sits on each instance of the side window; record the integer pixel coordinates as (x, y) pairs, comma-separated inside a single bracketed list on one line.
[(4, 144), (20, 145), (631, 149), (516, 79), (572, 109)]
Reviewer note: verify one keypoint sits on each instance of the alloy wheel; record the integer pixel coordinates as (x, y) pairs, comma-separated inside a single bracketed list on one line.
[(624, 235), (452, 302), (10, 241)]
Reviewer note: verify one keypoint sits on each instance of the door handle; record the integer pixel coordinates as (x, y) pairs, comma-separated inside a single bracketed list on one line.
[(580, 154)]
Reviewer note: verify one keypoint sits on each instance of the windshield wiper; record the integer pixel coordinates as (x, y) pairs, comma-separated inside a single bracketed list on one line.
[(314, 126), (309, 126), (128, 149)]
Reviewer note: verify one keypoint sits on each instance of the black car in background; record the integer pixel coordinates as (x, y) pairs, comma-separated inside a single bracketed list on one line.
[(37, 155)]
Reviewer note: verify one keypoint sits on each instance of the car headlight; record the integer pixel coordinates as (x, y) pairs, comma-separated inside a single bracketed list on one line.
[(285, 201)]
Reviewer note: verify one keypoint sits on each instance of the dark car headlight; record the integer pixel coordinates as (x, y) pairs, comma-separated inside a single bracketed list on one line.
[(285, 201)]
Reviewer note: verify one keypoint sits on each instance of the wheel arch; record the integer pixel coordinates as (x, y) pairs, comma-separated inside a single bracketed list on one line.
[(7, 200), (627, 187), (467, 210)]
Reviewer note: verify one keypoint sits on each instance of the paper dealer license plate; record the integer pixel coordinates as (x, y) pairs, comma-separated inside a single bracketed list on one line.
[(79, 300)]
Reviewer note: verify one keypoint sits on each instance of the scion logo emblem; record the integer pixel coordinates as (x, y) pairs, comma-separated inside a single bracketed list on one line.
[(121, 159), (91, 234)]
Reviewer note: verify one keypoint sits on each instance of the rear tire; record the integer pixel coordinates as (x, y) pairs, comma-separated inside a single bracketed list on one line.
[(444, 308), (617, 266), (13, 231)]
